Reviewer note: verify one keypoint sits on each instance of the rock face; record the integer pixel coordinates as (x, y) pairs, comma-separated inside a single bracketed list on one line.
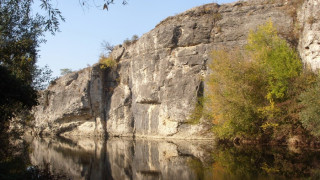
[(309, 44), (72, 105), (158, 79)]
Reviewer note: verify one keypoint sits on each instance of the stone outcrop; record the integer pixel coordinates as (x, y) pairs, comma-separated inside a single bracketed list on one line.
[(158, 78), (309, 44), (72, 105)]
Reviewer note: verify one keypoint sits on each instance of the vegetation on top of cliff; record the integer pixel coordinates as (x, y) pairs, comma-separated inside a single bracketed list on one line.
[(65, 71), (107, 62), (255, 93), (133, 40)]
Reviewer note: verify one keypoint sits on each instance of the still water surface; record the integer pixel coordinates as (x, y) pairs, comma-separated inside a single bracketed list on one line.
[(122, 159)]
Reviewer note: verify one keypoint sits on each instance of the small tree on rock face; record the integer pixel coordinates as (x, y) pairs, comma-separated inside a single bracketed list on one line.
[(107, 48), (65, 71)]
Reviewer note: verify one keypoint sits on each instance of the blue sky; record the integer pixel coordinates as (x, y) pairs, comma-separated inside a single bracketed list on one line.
[(79, 42)]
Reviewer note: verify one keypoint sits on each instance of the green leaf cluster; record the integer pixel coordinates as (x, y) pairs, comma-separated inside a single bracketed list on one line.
[(253, 93), (21, 33), (310, 114), (280, 62), (236, 91)]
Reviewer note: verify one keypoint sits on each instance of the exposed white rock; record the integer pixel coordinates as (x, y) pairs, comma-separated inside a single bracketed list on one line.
[(72, 105), (309, 44)]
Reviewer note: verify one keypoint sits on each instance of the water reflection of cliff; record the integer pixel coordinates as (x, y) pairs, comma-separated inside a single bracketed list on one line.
[(122, 158), (158, 159), (144, 159), (81, 159)]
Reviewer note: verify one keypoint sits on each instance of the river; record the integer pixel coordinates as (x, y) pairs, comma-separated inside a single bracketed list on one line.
[(120, 159)]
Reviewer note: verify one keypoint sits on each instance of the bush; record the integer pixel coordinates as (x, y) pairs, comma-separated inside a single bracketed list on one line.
[(107, 62), (65, 71), (249, 90), (134, 38), (127, 42), (236, 91), (310, 113), (280, 62)]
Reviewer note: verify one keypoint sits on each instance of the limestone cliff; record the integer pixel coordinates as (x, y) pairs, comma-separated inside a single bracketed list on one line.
[(72, 105), (155, 86)]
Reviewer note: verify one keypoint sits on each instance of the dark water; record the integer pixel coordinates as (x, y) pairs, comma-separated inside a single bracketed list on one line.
[(158, 159)]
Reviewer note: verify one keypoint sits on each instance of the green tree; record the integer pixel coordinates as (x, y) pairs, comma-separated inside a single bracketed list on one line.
[(281, 62), (236, 90), (42, 77), (21, 33), (248, 89)]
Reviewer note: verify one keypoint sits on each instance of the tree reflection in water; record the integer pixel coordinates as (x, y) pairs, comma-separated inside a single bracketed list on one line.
[(158, 159), (264, 162)]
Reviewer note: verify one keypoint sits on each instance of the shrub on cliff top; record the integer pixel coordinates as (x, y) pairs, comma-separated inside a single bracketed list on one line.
[(107, 62)]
